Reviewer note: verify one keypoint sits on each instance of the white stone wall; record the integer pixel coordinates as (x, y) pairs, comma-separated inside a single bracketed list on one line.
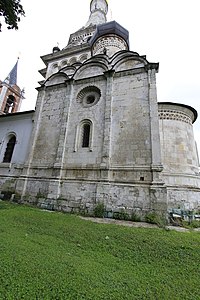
[(21, 126), (179, 156), (130, 121), (183, 198), (75, 155), (179, 153), (48, 125)]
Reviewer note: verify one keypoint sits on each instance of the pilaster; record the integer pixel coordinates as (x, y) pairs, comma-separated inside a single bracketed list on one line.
[(156, 164), (54, 187), (37, 122), (2, 97), (107, 134), (158, 192)]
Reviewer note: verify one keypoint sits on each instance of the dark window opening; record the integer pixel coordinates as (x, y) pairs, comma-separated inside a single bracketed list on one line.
[(86, 136), (90, 99), (9, 150), (10, 105)]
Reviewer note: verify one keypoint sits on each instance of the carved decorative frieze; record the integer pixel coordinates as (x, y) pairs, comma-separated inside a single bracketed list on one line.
[(109, 45), (166, 114)]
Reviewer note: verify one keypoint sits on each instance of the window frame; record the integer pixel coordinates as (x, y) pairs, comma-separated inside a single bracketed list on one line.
[(10, 104), (80, 135), (6, 149)]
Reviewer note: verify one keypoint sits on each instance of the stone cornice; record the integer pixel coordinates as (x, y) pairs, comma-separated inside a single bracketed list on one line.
[(64, 53)]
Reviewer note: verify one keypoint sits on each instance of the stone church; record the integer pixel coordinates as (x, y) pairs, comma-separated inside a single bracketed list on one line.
[(98, 134)]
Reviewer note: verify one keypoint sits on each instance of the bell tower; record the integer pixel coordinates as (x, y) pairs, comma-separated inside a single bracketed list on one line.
[(10, 93)]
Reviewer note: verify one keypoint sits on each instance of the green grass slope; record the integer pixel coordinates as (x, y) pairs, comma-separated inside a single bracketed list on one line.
[(47, 255)]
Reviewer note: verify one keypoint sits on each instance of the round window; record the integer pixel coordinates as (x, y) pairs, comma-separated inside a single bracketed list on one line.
[(90, 99), (89, 96)]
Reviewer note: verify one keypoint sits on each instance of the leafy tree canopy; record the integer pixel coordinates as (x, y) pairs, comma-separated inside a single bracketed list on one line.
[(11, 10)]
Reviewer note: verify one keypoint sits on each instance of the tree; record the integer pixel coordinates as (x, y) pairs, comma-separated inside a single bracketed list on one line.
[(11, 10)]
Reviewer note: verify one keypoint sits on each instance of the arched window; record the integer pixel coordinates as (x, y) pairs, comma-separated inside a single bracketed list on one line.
[(86, 135), (10, 104), (9, 149)]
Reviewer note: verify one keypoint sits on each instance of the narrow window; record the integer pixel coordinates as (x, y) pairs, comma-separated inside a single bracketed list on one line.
[(9, 150), (10, 105), (86, 135)]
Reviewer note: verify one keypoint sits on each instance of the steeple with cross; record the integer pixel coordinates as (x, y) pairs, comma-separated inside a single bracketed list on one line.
[(10, 93), (98, 12)]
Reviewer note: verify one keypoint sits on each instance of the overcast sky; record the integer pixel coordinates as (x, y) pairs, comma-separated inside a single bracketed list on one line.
[(165, 31)]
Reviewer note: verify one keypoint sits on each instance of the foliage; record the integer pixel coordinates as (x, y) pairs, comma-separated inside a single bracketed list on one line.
[(135, 217), (121, 215), (99, 210), (11, 10), (191, 224), (51, 255), (154, 218), (195, 224)]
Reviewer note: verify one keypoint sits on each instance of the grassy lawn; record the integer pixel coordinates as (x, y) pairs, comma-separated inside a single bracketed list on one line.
[(47, 255)]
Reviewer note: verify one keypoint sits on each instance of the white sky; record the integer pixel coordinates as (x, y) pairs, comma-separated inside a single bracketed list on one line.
[(165, 31)]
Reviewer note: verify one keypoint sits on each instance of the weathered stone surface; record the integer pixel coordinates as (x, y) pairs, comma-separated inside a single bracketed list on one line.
[(99, 135)]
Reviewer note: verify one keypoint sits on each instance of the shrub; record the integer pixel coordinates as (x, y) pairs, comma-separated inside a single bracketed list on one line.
[(6, 195), (195, 224), (192, 224), (99, 210), (122, 215), (154, 218), (135, 217)]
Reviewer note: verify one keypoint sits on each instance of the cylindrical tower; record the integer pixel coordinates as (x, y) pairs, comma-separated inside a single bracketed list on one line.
[(179, 154), (109, 38)]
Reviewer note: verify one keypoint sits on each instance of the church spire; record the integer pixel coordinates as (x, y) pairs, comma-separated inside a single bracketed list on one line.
[(98, 12), (11, 79), (10, 93)]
